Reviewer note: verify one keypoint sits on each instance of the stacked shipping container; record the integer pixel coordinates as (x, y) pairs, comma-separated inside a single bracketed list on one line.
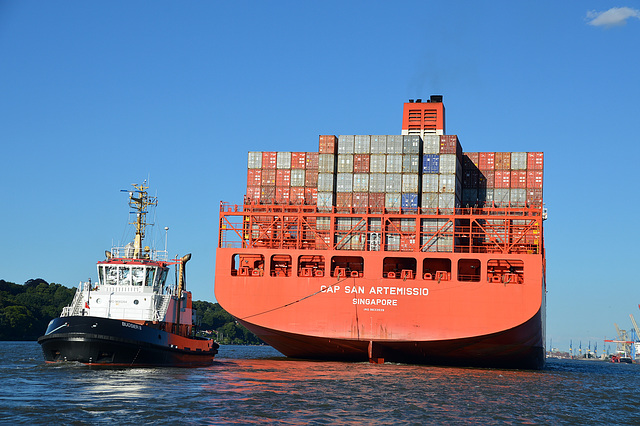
[(395, 173), (282, 178), (503, 179)]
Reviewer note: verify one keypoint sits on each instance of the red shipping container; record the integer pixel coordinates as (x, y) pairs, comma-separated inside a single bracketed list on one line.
[(268, 194), (312, 160), (534, 197), (535, 161), (474, 157), (268, 177), (298, 160), (254, 177), (486, 161), (534, 179), (486, 179), (253, 194), (361, 163), (503, 179), (269, 160), (297, 195), (360, 202), (519, 179), (328, 144), (311, 178), (311, 196), (503, 161), (376, 202), (344, 201), (407, 242), (283, 194), (283, 177), (449, 144)]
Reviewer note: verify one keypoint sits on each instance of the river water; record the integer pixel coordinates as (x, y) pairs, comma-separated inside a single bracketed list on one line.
[(255, 384)]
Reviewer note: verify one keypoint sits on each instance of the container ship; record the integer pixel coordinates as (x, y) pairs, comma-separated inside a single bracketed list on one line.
[(390, 248), (131, 316)]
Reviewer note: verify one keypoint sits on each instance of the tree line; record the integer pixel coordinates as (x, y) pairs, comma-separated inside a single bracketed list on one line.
[(26, 309)]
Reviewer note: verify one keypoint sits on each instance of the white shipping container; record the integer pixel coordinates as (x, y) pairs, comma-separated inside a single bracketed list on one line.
[(410, 183), (430, 182), (345, 163), (255, 160), (394, 144), (325, 182), (323, 223), (325, 201), (297, 177), (411, 144), (394, 163), (345, 144), (447, 202), (361, 182), (378, 144), (447, 183), (429, 201), (431, 144), (377, 182), (283, 160), (518, 161), (410, 163), (344, 182), (392, 201), (393, 182), (448, 163), (362, 144), (501, 197), (518, 197), (378, 163), (326, 163)]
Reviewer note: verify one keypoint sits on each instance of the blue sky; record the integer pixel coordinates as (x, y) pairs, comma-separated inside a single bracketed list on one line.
[(95, 96)]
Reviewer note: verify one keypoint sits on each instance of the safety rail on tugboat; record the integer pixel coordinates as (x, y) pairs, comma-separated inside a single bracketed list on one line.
[(128, 252)]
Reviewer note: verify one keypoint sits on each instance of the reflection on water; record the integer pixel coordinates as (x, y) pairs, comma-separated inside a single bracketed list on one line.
[(257, 385)]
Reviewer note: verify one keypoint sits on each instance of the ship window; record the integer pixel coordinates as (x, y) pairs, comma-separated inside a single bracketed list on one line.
[(111, 275), (399, 268), (101, 274), (436, 269), (163, 277), (123, 275), (310, 266), (469, 270), (150, 273), (247, 265), (280, 265), (137, 276), (506, 271), (347, 266)]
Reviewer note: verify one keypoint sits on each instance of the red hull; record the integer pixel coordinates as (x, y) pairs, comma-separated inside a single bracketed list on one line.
[(520, 347)]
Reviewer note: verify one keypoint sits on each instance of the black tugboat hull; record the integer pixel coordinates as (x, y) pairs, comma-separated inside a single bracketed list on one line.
[(109, 342)]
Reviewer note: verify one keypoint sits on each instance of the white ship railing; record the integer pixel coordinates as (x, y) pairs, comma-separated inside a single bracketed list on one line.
[(129, 252)]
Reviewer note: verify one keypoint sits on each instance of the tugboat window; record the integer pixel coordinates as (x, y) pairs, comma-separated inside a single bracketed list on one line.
[(137, 276), (150, 273)]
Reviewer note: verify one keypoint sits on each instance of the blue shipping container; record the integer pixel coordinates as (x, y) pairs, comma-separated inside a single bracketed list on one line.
[(410, 201), (431, 163)]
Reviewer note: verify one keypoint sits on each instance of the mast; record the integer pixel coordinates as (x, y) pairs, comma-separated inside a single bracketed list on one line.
[(139, 200)]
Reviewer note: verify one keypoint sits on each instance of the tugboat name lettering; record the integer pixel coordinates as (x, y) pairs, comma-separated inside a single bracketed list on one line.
[(128, 324)]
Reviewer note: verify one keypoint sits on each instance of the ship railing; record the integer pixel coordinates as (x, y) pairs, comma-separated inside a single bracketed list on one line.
[(493, 209), (129, 253), (78, 300)]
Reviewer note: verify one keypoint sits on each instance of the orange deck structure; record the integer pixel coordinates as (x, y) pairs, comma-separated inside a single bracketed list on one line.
[(456, 286)]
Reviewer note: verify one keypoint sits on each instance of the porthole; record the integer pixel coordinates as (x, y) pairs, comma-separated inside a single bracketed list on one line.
[(135, 302)]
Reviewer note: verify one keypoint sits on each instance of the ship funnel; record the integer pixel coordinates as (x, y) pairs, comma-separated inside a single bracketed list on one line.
[(182, 277)]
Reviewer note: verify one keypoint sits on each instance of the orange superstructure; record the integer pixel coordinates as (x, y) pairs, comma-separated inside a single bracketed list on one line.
[(386, 263)]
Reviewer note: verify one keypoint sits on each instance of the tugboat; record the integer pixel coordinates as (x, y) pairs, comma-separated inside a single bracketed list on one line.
[(131, 317)]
